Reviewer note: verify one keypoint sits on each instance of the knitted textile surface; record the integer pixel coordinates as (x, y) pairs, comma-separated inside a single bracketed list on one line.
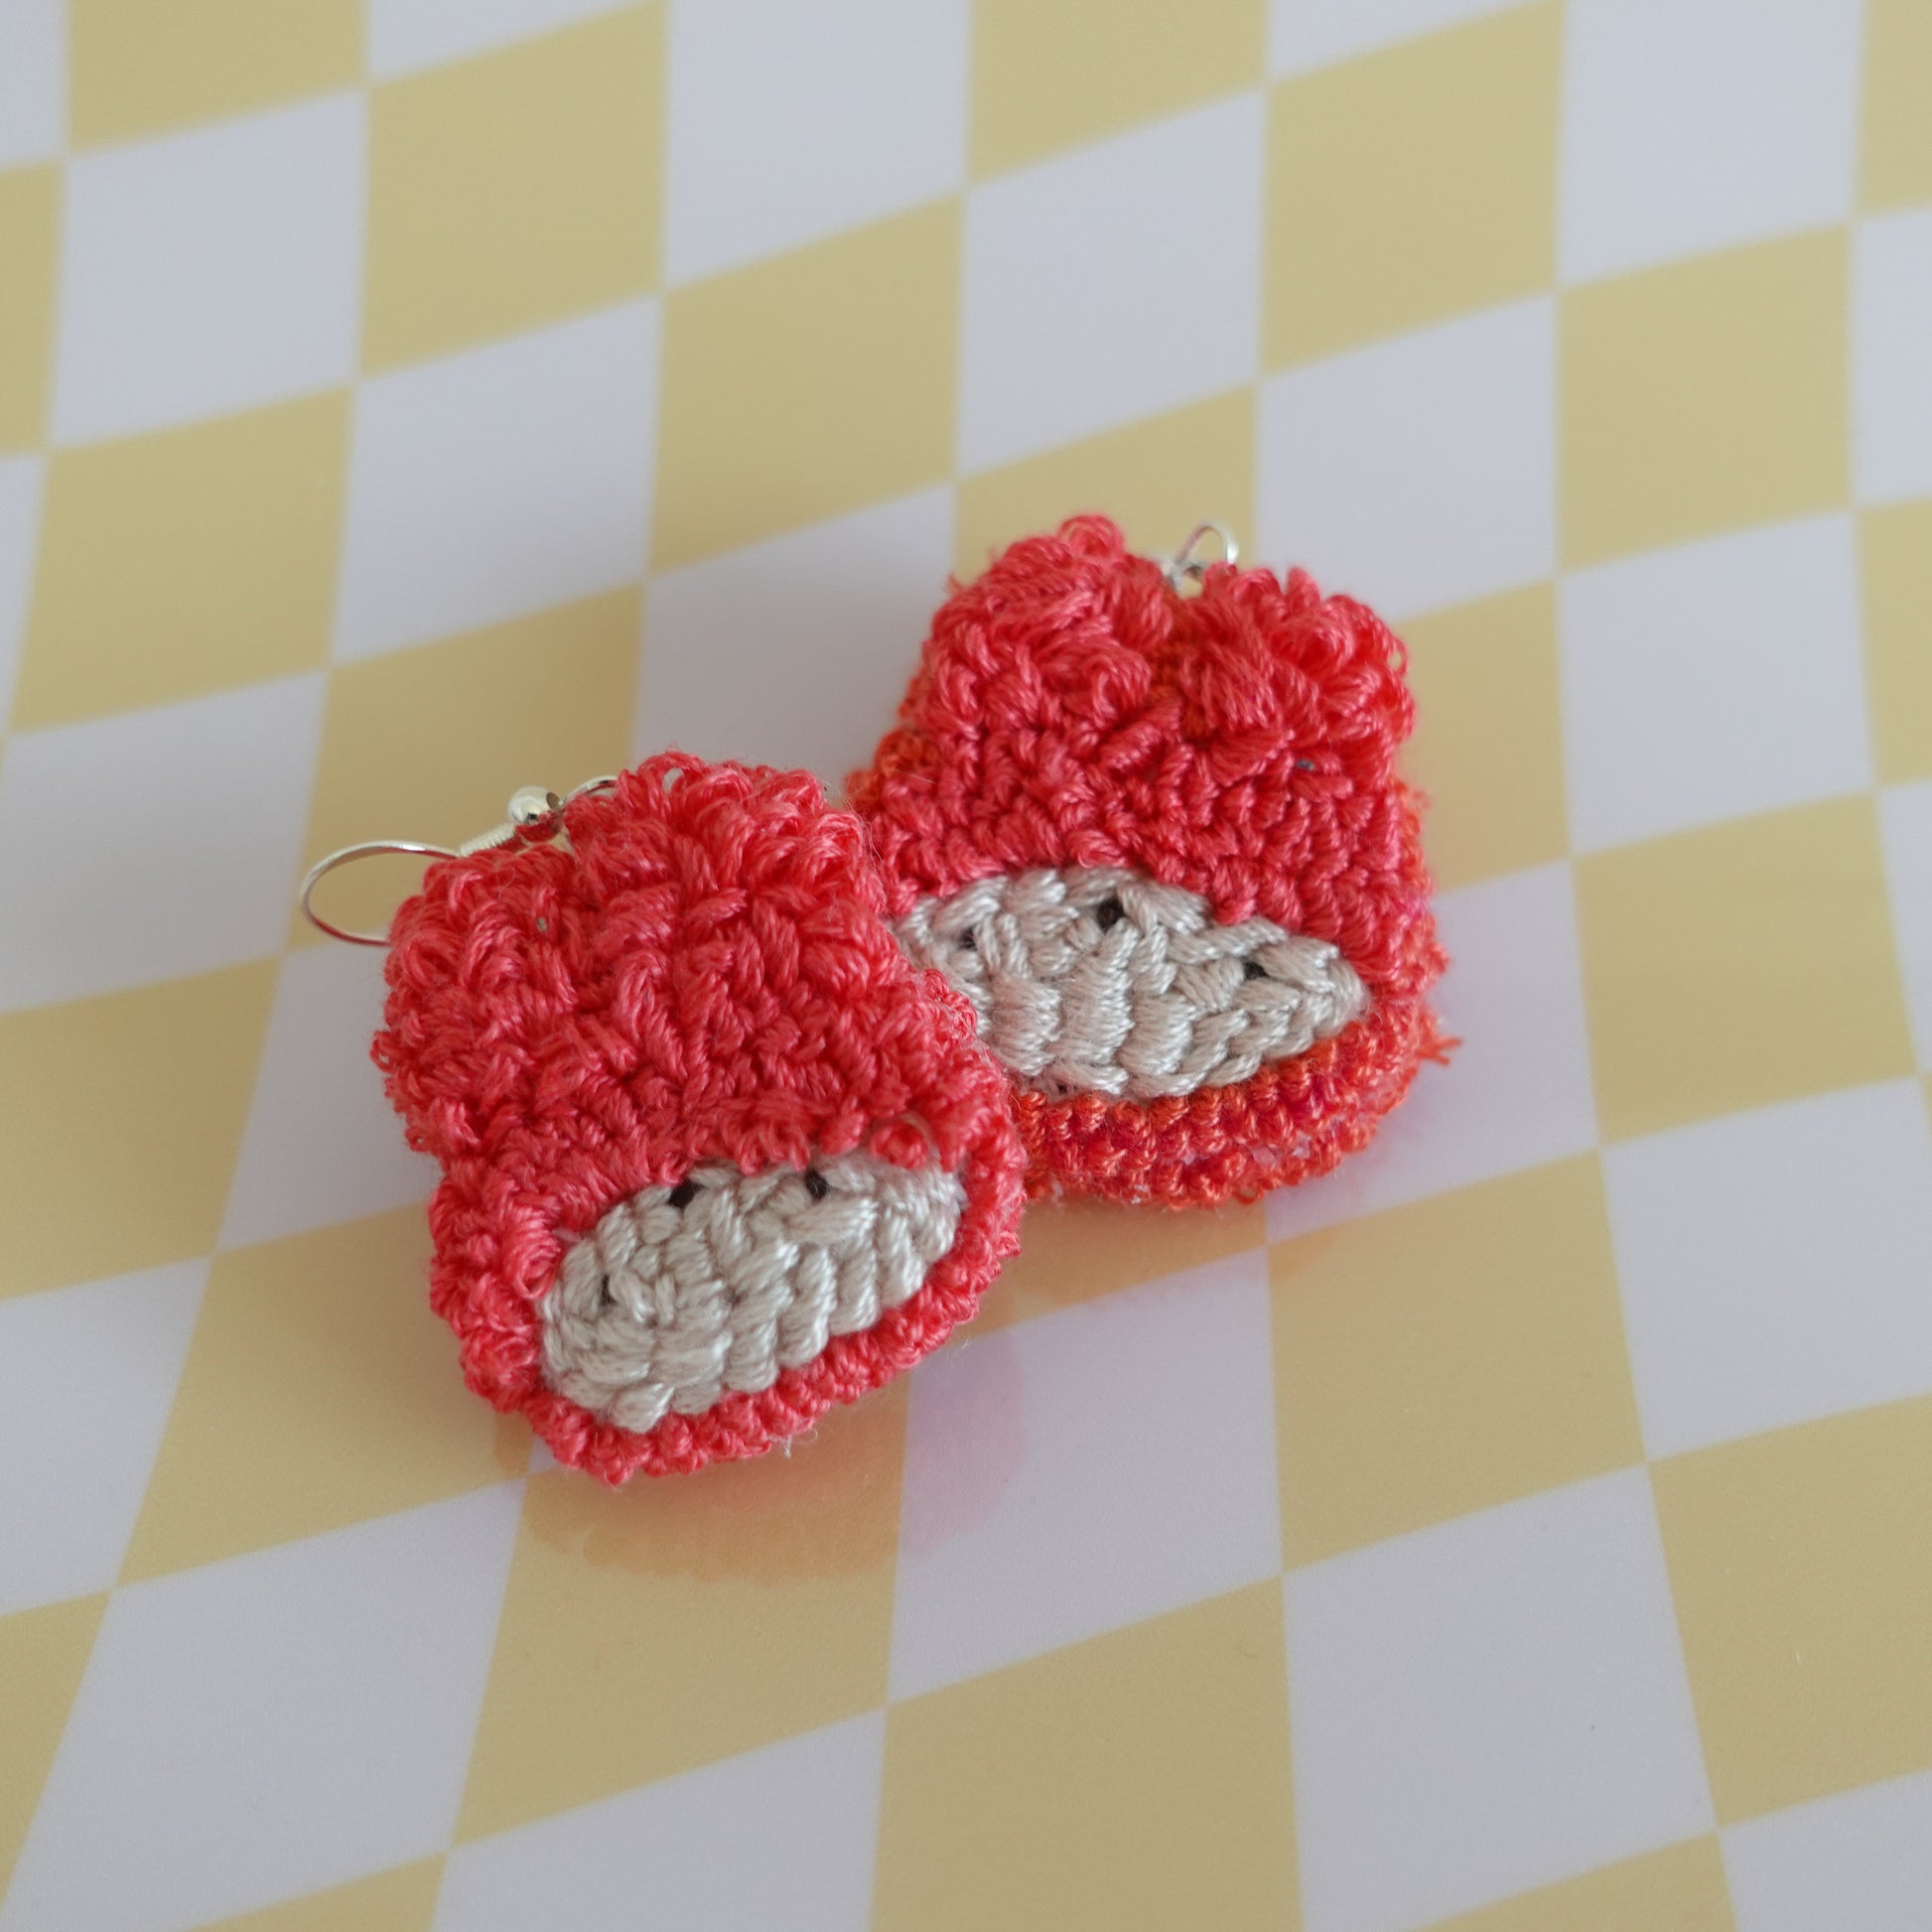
[(697, 989), (1077, 724)]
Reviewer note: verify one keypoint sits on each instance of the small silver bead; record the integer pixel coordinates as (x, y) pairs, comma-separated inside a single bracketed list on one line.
[(531, 805)]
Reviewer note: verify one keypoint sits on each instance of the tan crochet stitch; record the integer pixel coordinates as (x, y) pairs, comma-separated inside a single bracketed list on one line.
[(680, 1293), (1098, 979)]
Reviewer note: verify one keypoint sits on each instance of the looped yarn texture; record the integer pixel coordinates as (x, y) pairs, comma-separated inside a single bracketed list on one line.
[(1099, 980), (1072, 712), (700, 983), (668, 1303)]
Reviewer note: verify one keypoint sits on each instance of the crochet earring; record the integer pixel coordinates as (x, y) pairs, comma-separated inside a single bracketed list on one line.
[(1158, 839), (715, 1156)]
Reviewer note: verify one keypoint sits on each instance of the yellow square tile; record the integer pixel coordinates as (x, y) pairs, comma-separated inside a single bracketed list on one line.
[(428, 744), (188, 561), (1074, 1251), (1895, 591), (1488, 745), (122, 1118), (1411, 185), (1702, 396), (654, 1628), (401, 1900), (1740, 965), (1895, 147), (1138, 1781), (42, 1656), (135, 70), (807, 385), (1681, 1888), (1803, 1578), (1052, 74), (30, 229), (1156, 478), (318, 1391), (514, 189), (1445, 1357)]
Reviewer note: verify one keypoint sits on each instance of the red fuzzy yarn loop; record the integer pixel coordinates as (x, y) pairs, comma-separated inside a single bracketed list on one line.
[(703, 973), (1072, 709)]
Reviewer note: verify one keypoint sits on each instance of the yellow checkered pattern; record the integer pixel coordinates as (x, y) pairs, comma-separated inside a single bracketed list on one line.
[(1526, 1529)]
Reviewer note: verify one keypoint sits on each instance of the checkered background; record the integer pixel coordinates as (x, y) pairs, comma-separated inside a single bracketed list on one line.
[(1528, 1529)]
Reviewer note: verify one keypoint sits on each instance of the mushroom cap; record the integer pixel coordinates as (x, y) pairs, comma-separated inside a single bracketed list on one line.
[(1072, 709)]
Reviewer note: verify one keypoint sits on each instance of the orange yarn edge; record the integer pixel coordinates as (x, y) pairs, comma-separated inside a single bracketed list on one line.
[(1290, 1122)]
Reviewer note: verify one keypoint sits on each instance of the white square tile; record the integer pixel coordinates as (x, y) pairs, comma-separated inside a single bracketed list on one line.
[(153, 843), (1712, 681), (86, 1379), (671, 1854), (1862, 1859), (1307, 33), (1084, 1470), (1774, 1264), (22, 479), (321, 1145), (795, 653), (33, 80), (1417, 472), (1905, 823), (1892, 356), (1486, 1707), (1516, 1092), (1687, 129), (271, 1725), (405, 35), (1111, 283), (211, 271), (788, 123), (497, 483)]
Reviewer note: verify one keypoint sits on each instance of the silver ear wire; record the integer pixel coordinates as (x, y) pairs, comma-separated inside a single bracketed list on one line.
[(348, 854), (1184, 565), (532, 812)]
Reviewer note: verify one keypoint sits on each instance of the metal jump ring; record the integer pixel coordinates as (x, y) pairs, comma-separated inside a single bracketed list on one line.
[(1184, 563)]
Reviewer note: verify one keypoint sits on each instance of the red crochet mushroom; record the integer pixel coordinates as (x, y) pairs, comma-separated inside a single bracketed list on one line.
[(1159, 841), (715, 1156)]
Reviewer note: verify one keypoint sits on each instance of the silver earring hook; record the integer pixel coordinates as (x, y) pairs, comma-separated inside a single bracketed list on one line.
[(1184, 564), (533, 812)]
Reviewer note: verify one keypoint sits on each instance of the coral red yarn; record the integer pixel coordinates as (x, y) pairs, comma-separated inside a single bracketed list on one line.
[(703, 973), (1072, 709)]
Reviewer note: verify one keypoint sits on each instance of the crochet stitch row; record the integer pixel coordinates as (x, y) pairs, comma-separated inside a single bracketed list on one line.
[(680, 1293), (1102, 981)]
